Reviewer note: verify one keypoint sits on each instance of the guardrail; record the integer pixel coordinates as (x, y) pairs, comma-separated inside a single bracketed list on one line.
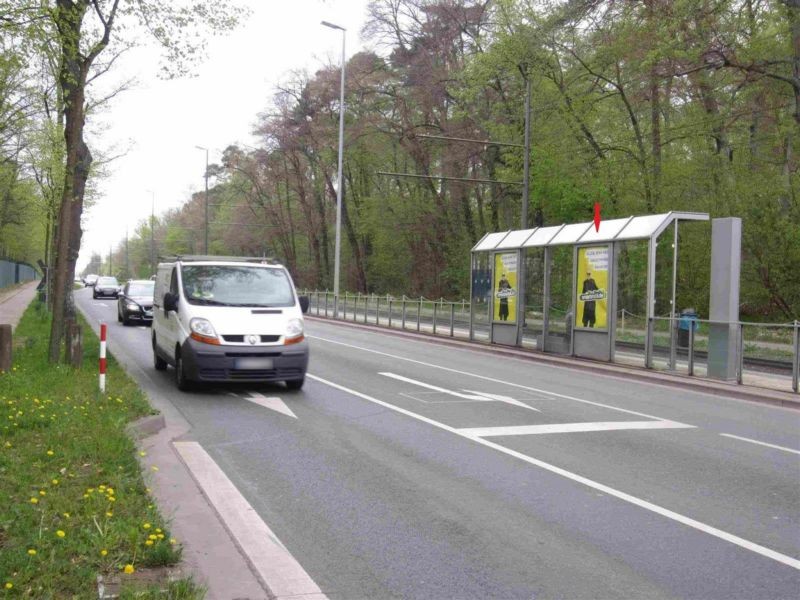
[(759, 348), (440, 317), (766, 355)]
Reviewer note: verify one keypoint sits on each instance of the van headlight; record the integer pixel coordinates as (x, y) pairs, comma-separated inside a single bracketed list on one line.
[(203, 331), (294, 331)]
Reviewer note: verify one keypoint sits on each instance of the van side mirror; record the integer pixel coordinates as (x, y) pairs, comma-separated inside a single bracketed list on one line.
[(303, 303), (170, 302)]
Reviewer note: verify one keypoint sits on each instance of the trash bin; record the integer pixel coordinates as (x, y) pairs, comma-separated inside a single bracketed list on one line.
[(688, 319)]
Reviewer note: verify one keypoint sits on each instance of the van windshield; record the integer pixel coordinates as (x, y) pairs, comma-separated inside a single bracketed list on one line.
[(236, 285)]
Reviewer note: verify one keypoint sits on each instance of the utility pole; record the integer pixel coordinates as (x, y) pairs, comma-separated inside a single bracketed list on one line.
[(152, 236), (526, 171), (340, 186), (127, 255), (110, 270), (206, 210)]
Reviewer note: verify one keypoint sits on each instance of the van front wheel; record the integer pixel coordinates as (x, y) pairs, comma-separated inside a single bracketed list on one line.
[(183, 383), (295, 384)]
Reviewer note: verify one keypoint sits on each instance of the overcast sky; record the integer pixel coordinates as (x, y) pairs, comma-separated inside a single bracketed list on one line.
[(158, 123)]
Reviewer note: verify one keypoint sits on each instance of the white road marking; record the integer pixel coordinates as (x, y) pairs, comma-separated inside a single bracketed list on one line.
[(273, 564), (516, 385), (475, 396), (570, 428), (660, 510), (273, 403), (744, 439)]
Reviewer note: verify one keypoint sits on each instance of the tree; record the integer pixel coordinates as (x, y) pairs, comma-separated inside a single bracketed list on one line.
[(83, 30)]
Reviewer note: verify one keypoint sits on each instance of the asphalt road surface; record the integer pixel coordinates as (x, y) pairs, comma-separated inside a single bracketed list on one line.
[(408, 469)]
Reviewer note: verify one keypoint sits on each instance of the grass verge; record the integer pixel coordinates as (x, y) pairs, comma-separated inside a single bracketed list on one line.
[(73, 503)]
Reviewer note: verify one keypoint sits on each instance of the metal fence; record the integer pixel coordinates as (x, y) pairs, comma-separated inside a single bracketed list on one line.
[(767, 355), (12, 273)]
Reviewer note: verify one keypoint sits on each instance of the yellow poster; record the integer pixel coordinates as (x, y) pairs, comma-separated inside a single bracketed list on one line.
[(592, 292), (505, 287)]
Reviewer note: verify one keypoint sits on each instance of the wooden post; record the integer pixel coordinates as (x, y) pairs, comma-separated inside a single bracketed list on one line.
[(5, 348), (75, 344)]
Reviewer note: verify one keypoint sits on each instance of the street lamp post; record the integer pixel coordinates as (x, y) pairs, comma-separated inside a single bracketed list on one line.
[(206, 234), (340, 180), (152, 236)]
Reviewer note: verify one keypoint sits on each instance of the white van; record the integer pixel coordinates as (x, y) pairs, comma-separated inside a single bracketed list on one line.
[(222, 319)]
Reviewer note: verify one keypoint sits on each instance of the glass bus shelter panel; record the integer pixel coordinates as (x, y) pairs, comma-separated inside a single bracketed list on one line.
[(560, 313), (490, 241), (480, 302), (631, 321), (515, 239), (570, 234), (534, 298), (542, 236), (608, 231), (643, 227)]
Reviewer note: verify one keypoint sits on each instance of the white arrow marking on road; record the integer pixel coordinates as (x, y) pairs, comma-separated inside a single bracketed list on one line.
[(274, 403), (476, 396), (507, 399)]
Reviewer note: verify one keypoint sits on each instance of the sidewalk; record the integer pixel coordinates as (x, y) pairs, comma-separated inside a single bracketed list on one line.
[(14, 301)]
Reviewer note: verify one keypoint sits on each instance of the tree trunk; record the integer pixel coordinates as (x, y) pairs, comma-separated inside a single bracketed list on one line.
[(72, 79)]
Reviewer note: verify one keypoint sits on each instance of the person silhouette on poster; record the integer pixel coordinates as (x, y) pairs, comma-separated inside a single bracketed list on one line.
[(502, 285), (589, 317)]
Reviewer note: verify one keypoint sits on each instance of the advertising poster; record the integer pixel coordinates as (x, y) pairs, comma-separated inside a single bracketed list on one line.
[(505, 287), (592, 292)]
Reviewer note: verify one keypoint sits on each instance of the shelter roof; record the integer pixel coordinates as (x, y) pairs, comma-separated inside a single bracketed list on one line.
[(643, 227)]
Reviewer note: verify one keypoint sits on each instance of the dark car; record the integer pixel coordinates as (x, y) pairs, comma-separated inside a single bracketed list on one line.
[(106, 286), (135, 302)]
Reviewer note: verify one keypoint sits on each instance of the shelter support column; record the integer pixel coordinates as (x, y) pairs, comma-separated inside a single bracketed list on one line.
[(651, 302), (726, 249), (548, 259)]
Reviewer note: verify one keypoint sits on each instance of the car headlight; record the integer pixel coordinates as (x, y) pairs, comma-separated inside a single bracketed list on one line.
[(132, 306), (203, 331), (294, 331)]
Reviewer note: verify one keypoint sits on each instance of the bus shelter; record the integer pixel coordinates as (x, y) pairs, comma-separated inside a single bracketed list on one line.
[(588, 324)]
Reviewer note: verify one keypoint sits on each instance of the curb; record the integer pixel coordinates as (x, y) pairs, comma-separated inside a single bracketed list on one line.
[(146, 426), (717, 389)]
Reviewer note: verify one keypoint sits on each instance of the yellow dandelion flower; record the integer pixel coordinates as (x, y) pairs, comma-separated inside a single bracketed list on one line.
[(50, 453), (146, 526), (54, 482), (109, 514), (9, 585), (112, 499), (142, 453), (158, 529), (102, 488), (128, 569), (85, 496), (160, 536), (34, 501), (148, 543), (8, 444), (66, 515), (103, 552), (152, 537), (60, 533), (42, 493), (173, 541), (90, 491), (110, 490), (32, 551), (155, 468)]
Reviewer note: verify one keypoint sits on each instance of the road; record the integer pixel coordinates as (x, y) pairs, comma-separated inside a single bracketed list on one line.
[(406, 469)]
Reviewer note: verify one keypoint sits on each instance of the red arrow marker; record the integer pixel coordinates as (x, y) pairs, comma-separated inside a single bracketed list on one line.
[(597, 216)]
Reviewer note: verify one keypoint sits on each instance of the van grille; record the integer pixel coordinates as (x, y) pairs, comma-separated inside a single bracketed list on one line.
[(239, 339)]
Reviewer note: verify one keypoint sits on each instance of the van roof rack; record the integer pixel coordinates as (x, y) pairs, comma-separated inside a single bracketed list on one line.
[(209, 258)]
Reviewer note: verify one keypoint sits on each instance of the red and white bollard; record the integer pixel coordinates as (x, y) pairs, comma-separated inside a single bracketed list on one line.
[(102, 357)]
